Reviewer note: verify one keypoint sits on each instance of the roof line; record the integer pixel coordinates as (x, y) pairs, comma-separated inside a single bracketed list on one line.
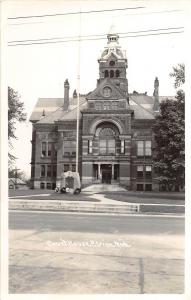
[(143, 107), (72, 109)]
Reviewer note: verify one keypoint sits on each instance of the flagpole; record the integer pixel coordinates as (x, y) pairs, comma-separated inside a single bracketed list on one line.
[(78, 98)]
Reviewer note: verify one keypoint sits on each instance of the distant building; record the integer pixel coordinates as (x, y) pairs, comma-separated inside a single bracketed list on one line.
[(17, 183), (115, 144)]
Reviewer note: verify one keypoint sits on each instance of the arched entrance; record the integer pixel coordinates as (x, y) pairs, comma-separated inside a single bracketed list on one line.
[(107, 144)]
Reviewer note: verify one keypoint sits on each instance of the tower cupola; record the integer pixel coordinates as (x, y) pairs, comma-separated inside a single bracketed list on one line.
[(113, 62)]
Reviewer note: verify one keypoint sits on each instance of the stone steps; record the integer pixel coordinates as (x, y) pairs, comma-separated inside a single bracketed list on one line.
[(104, 188)]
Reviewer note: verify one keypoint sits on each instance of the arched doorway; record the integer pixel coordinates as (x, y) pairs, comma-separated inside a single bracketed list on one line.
[(106, 139)]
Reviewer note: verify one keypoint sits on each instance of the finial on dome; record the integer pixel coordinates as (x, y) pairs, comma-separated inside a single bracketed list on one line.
[(112, 29)]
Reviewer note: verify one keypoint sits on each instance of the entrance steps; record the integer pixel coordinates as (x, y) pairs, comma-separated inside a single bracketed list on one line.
[(96, 188)]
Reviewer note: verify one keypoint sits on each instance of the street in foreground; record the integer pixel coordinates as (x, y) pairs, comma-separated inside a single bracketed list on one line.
[(87, 253)]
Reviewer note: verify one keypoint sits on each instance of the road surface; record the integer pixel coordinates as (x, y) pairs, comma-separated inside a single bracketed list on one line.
[(87, 253)]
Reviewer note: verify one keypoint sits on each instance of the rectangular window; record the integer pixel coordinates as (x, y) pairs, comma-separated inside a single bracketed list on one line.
[(140, 148), (73, 168), (90, 146), (54, 171), (49, 185), (42, 185), (49, 171), (69, 148), (143, 148), (148, 171), (42, 172), (148, 187), (147, 148), (98, 105), (139, 171), (66, 167), (122, 146), (49, 149), (43, 149)]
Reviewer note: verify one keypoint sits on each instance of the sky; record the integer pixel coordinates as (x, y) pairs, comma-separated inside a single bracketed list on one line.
[(37, 71)]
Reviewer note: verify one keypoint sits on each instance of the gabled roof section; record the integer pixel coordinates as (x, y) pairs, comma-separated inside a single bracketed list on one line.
[(97, 94), (45, 106), (72, 114), (61, 115), (142, 105)]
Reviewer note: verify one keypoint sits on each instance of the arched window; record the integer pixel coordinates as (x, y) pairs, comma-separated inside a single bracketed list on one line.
[(107, 141), (112, 63), (111, 73), (106, 74), (117, 73)]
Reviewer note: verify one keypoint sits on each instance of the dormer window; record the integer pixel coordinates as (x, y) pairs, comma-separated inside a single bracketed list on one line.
[(112, 63)]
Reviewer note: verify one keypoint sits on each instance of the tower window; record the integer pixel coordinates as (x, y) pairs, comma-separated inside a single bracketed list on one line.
[(106, 73), (112, 63), (117, 73), (111, 74)]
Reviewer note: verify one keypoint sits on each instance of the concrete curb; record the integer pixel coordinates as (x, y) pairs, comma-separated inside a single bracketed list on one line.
[(75, 206), (55, 205)]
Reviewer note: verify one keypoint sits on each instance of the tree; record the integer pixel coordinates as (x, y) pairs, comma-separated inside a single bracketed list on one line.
[(15, 114), (169, 137)]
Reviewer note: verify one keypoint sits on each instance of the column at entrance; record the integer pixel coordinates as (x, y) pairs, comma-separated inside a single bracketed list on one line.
[(112, 173), (99, 172)]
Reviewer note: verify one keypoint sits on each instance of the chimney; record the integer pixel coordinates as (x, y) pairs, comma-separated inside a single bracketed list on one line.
[(156, 95), (66, 95), (75, 94)]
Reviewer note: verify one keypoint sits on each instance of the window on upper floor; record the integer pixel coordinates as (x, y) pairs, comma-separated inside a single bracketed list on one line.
[(73, 168), (106, 141), (48, 149), (140, 148), (117, 73), (42, 171), (111, 73), (69, 148), (144, 148), (43, 149), (112, 63), (54, 171), (122, 146), (147, 148), (106, 73), (90, 146), (66, 167), (49, 171)]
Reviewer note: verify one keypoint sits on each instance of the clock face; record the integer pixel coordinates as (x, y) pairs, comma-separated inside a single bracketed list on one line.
[(107, 91)]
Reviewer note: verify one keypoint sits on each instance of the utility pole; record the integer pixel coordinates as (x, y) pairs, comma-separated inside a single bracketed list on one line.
[(78, 98)]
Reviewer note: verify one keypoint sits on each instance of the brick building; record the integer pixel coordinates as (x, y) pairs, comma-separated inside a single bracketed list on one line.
[(115, 136)]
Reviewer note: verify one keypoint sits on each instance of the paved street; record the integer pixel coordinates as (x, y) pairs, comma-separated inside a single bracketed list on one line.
[(87, 253)]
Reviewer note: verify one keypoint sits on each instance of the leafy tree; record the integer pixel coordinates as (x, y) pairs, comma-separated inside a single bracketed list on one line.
[(179, 75), (15, 114), (169, 136)]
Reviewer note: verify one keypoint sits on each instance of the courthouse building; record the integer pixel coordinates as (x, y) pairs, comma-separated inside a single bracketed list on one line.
[(115, 135)]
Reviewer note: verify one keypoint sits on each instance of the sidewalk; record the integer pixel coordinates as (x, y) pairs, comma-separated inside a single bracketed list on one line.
[(98, 203)]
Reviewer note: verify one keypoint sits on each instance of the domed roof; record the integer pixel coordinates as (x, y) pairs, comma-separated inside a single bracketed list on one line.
[(112, 45)]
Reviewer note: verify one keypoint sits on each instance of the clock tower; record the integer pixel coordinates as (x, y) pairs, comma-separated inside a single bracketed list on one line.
[(113, 62)]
